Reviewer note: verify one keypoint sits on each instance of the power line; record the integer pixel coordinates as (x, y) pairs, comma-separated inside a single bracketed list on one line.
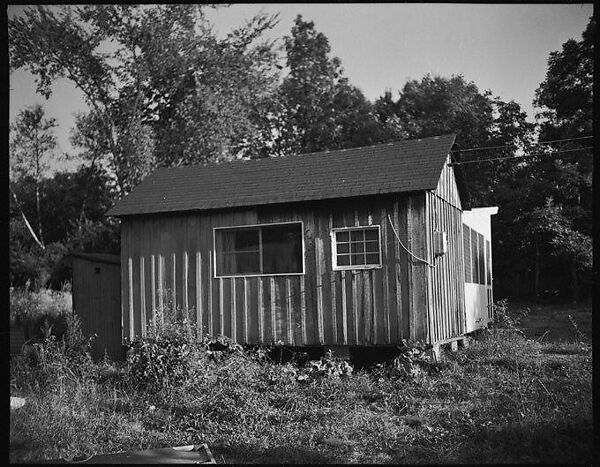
[(520, 157), (484, 148)]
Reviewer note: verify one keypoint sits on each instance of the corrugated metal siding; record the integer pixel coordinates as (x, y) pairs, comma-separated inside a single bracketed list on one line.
[(358, 307)]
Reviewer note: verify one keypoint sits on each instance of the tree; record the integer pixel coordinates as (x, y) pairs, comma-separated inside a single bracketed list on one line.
[(564, 174), (65, 193), (32, 145), (167, 92), (320, 108)]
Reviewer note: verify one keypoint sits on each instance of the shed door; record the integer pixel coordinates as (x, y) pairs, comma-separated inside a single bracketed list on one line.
[(97, 302)]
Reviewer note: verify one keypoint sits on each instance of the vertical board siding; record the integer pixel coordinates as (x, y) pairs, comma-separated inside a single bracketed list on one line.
[(172, 256), (97, 288), (447, 312)]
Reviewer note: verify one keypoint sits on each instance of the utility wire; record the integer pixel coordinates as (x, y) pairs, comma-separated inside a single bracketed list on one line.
[(484, 148), (520, 157), (407, 250)]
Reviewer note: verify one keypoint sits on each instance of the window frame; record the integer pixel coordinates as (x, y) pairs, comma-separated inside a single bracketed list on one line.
[(250, 226), (336, 267)]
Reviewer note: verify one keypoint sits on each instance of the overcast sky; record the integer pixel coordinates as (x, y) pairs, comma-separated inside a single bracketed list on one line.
[(500, 47)]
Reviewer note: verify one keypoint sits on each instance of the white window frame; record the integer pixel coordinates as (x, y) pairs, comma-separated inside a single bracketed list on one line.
[(267, 224), (351, 267)]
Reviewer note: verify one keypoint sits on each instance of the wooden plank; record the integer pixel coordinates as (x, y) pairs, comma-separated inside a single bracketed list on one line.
[(310, 283), (267, 319), (185, 284), (153, 287), (198, 289), (401, 273), (331, 280), (343, 295), (142, 296), (296, 310), (130, 310), (261, 313), (240, 313), (246, 312), (233, 310), (274, 308), (367, 282), (304, 323), (252, 291), (320, 264), (288, 312), (210, 281)]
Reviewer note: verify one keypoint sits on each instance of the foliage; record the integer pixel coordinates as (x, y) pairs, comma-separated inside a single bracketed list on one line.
[(168, 92), (320, 108), (75, 203), (31, 146), (35, 310), (503, 399), (45, 364)]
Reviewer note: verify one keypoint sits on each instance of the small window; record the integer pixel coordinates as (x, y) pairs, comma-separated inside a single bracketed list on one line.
[(356, 248), (259, 250)]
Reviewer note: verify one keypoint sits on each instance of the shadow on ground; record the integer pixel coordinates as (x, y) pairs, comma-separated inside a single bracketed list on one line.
[(275, 455)]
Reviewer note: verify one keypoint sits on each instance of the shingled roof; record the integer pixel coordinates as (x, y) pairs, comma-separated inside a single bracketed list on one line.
[(385, 168)]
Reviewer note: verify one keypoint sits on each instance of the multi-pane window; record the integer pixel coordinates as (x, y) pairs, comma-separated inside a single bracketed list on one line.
[(356, 248), (476, 256), (257, 250)]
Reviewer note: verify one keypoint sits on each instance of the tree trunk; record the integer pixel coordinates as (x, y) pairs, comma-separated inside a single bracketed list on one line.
[(39, 212)]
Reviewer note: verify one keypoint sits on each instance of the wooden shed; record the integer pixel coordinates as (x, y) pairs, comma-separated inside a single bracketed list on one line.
[(354, 247), (97, 301)]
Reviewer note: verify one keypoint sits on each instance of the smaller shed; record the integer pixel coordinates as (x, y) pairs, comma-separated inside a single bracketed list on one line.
[(97, 301)]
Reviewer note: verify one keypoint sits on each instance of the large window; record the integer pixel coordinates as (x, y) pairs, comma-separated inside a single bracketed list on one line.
[(356, 248), (257, 250)]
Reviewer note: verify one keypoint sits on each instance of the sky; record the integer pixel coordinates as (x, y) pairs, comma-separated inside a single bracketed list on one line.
[(501, 47)]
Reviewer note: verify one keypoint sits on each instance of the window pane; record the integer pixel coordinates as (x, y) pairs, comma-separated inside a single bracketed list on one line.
[(371, 234), (373, 258), (372, 247), (467, 253), (245, 240), (342, 236), (357, 235), (282, 248), (343, 260), (238, 263), (474, 257), (343, 248), (357, 259), (481, 251), (488, 262), (357, 247), (237, 251)]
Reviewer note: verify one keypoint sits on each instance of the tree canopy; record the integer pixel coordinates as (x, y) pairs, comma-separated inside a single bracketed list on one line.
[(164, 90)]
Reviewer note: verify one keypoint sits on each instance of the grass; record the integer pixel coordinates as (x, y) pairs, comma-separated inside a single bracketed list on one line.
[(506, 398)]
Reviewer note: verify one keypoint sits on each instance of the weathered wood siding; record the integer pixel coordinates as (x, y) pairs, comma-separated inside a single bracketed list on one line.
[(447, 303), (96, 300), (167, 261)]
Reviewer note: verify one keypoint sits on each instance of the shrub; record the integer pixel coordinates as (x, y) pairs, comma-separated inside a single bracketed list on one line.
[(52, 360), (35, 310), (508, 317)]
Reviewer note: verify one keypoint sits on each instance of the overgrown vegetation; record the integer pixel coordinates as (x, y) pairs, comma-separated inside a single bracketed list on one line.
[(505, 398)]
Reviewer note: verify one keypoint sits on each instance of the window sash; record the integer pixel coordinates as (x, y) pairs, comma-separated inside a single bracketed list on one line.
[(356, 247), (220, 252)]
